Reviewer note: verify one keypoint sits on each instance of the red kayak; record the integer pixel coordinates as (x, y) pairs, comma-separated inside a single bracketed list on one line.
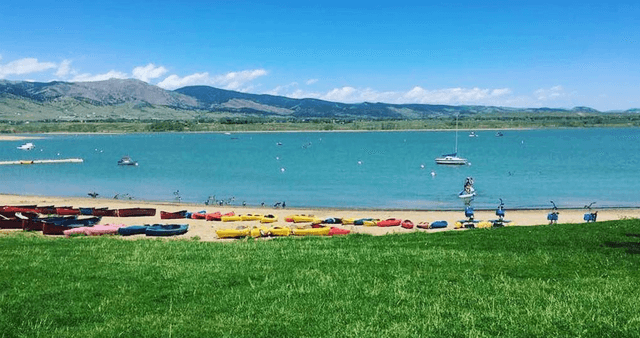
[(338, 231), (217, 216), (391, 222), (173, 215), (198, 215), (424, 225), (407, 224), (12, 223)]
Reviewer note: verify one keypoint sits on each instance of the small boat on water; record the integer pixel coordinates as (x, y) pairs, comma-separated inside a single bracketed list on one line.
[(126, 160), (452, 159), (473, 134), (499, 134), (27, 146)]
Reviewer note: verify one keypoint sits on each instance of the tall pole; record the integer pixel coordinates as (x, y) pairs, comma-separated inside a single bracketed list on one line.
[(456, 134)]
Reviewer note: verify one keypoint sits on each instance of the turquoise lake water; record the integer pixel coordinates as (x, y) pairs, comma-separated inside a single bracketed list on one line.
[(526, 168)]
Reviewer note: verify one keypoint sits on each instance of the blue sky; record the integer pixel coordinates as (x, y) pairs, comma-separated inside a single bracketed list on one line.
[(506, 53)]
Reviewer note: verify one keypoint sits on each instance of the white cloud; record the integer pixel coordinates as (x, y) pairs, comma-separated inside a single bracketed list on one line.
[(311, 81), (147, 72), (417, 94), (174, 81), (24, 66), (549, 94), (231, 80), (86, 77), (64, 68)]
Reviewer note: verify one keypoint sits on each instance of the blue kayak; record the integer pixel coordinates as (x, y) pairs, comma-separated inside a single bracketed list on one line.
[(438, 224), (132, 230), (166, 229)]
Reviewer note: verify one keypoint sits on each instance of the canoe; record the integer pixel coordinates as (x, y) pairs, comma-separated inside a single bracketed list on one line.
[(407, 224), (105, 212), (233, 233), (11, 223), (338, 231), (312, 232), (390, 222), (31, 225), (268, 218), (67, 211), (132, 230), (55, 229), (57, 219), (173, 215), (438, 225), (46, 210), (423, 225), (231, 218), (136, 212), (19, 208), (166, 229), (86, 211), (251, 217)]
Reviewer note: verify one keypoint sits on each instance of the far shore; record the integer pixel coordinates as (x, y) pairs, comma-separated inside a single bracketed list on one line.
[(205, 230)]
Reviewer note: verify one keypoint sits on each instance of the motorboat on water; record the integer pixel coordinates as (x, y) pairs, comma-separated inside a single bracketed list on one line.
[(468, 191), (126, 160), (26, 146), (473, 134), (499, 134)]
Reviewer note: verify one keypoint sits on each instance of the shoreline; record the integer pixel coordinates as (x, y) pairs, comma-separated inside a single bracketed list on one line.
[(205, 230)]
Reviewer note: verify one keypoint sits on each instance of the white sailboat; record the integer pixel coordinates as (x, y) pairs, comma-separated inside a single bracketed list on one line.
[(452, 159)]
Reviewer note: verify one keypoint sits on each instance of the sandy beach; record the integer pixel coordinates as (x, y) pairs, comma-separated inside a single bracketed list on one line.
[(205, 230)]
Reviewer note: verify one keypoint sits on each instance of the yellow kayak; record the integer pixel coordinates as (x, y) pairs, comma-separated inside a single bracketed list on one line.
[(371, 223), (301, 218), (312, 231), (265, 231), (232, 233), (231, 218), (268, 219), (279, 231), (348, 220), (251, 217), (484, 224)]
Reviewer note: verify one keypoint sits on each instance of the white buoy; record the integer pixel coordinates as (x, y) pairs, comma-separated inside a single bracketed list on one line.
[(433, 173), (282, 169), (422, 166), (359, 162)]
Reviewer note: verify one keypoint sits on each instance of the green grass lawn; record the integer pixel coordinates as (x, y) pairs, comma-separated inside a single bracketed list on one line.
[(569, 280)]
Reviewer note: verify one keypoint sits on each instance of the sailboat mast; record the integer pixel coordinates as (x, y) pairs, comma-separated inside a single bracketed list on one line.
[(456, 135)]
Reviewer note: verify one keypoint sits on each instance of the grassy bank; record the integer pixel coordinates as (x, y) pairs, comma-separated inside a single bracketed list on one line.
[(248, 123), (577, 280)]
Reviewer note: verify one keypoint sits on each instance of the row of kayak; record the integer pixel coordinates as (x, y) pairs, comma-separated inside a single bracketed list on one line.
[(121, 229), (218, 216), (389, 222), (264, 231), (71, 211)]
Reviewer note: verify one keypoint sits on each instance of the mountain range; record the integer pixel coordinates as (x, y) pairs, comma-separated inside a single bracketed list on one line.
[(135, 99)]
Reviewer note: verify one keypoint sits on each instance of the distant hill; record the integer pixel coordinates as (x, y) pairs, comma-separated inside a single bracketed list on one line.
[(134, 99)]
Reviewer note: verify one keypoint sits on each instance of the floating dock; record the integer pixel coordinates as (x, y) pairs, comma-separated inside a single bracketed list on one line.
[(64, 160)]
